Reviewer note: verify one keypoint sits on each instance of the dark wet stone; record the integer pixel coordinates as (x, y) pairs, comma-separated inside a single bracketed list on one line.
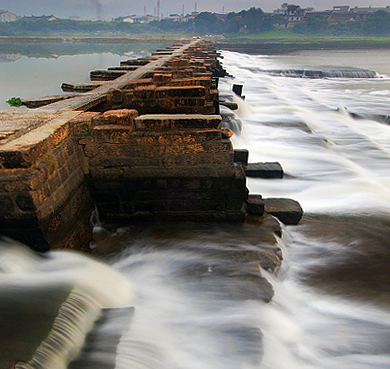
[(264, 170), (287, 211)]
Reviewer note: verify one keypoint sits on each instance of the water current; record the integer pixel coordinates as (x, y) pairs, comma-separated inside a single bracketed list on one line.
[(331, 302)]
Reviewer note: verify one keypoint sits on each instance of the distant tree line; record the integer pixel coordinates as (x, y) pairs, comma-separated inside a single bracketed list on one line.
[(253, 20), (376, 24)]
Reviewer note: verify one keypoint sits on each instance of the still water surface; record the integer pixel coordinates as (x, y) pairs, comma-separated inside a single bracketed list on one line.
[(28, 76), (331, 303)]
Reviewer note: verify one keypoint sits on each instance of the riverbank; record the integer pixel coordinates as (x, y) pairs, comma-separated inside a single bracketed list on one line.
[(261, 44)]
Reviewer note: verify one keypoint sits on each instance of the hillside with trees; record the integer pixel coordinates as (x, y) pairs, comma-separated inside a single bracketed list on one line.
[(251, 21)]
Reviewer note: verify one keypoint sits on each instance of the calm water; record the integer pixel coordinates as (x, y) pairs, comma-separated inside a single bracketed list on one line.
[(331, 303), (28, 76)]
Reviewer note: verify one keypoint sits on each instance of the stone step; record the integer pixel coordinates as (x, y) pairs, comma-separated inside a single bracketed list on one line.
[(125, 67), (264, 170), (105, 75), (230, 105), (255, 205), (81, 86), (162, 122), (288, 211), (241, 156), (138, 62), (42, 101)]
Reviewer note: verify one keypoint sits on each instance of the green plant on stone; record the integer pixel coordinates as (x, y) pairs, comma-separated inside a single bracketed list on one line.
[(14, 101)]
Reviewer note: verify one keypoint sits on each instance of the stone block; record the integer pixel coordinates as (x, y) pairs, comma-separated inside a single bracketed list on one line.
[(105, 75), (145, 92), (122, 117), (180, 92), (111, 134), (81, 125), (162, 122), (287, 211), (123, 161), (106, 173), (239, 176), (264, 170), (6, 206), (162, 77), (255, 205), (241, 156), (16, 180)]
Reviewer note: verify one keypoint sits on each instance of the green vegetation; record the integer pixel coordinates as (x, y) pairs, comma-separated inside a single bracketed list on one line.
[(14, 101), (290, 36)]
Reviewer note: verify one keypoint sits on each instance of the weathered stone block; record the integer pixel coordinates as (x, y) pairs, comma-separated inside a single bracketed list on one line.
[(180, 91), (241, 156), (158, 122), (106, 173), (6, 206), (162, 77), (255, 205), (122, 117), (264, 170), (111, 133), (105, 75), (145, 92), (239, 176), (287, 211)]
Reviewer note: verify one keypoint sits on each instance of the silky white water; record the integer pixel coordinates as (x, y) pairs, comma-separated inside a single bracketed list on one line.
[(333, 162)]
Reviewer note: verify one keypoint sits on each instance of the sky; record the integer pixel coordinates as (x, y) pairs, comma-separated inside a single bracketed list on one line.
[(108, 9)]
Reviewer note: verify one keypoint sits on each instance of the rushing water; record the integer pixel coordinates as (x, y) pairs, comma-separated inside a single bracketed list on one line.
[(331, 302)]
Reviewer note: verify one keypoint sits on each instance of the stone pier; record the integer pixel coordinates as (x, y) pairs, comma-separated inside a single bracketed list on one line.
[(143, 144)]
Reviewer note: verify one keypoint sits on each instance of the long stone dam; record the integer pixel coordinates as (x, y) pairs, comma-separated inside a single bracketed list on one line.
[(142, 141)]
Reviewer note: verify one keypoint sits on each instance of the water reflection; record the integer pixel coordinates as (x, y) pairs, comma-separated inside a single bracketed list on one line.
[(39, 70)]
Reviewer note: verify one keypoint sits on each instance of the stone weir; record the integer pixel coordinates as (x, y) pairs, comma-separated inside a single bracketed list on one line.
[(144, 143)]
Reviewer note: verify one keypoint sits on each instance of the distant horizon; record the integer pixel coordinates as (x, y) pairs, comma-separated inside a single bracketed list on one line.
[(110, 9)]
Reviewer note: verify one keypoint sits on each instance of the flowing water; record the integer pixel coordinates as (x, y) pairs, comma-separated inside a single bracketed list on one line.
[(194, 306)]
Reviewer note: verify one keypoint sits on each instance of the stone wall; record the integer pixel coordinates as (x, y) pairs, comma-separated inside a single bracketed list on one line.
[(148, 146), (171, 167), (43, 194)]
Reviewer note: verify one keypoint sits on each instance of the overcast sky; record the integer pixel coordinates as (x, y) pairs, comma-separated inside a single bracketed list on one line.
[(108, 9)]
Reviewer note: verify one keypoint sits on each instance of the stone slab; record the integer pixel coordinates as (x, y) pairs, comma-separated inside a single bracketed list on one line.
[(264, 170), (170, 121), (287, 211), (255, 205), (81, 86), (241, 156), (21, 151)]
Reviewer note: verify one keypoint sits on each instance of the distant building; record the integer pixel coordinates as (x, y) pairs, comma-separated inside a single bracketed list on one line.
[(42, 17), (364, 12), (345, 13), (6, 16), (175, 17), (136, 19), (289, 15), (188, 17), (127, 18), (9, 57)]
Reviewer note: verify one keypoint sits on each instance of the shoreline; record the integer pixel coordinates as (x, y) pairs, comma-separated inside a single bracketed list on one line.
[(249, 46)]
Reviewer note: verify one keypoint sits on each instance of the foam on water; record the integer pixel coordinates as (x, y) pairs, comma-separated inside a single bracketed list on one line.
[(92, 287), (305, 125)]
